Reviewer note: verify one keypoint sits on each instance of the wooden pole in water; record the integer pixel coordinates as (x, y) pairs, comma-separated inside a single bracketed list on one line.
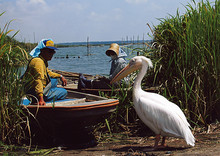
[(88, 50), (133, 39)]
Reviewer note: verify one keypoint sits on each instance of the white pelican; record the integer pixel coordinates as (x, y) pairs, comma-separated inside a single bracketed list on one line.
[(160, 115)]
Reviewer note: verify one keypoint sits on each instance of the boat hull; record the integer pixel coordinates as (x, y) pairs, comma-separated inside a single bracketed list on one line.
[(70, 123)]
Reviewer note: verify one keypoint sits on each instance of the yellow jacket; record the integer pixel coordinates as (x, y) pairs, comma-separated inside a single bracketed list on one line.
[(36, 74)]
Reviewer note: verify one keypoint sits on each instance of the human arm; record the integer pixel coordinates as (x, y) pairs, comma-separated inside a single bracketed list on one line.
[(41, 101), (37, 77), (37, 70), (56, 75), (64, 81), (116, 67)]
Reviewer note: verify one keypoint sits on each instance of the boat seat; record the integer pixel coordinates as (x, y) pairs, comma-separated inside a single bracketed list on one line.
[(58, 102)]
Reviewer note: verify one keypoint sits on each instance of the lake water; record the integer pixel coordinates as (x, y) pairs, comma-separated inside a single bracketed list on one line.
[(98, 63)]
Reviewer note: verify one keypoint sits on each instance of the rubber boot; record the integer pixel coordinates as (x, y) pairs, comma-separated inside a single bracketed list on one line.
[(83, 82), (80, 82)]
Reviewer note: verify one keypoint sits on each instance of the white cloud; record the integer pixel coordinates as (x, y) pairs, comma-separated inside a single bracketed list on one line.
[(71, 6), (136, 1), (31, 7), (93, 16), (68, 20), (37, 1), (117, 14), (114, 15)]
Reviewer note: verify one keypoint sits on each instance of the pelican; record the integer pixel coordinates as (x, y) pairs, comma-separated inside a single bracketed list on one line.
[(163, 117)]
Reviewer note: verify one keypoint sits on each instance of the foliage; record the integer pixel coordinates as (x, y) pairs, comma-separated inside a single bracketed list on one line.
[(23, 45), (12, 116), (124, 111), (185, 54), (188, 60)]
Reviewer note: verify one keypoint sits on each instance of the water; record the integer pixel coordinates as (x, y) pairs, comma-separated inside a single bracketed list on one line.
[(98, 63)]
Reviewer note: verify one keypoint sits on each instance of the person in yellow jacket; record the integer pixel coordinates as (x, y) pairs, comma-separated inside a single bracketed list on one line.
[(41, 84)]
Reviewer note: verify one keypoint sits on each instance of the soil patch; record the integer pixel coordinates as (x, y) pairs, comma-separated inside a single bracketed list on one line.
[(207, 143)]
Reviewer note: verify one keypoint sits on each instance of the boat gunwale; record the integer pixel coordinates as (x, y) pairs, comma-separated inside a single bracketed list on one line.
[(78, 107)]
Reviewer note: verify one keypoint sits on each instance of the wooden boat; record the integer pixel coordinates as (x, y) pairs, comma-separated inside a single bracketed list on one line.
[(77, 105), (73, 80), (69, 121), (96, 91)]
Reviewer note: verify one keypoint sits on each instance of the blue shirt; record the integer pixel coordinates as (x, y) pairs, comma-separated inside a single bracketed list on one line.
[(117, 65)]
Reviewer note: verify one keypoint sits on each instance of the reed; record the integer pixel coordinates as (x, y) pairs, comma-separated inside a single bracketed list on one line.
[(12, 117), (186, 48), (124, 113)]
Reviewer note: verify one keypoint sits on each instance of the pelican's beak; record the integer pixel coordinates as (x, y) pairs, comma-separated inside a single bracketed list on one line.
[(124, 72)]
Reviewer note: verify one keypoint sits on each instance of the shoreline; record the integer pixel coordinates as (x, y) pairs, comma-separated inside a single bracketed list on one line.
[(99, 43)]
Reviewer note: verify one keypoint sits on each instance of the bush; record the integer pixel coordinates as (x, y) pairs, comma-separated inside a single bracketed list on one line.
[(11, 114), (187, 49)]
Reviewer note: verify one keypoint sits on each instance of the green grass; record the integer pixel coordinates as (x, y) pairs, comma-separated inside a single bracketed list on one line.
[(186, 48), (12, 117), (186, 56)]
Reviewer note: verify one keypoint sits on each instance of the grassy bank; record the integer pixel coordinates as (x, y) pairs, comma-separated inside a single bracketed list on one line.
[(187, 52), (186, 56), (11, 115)]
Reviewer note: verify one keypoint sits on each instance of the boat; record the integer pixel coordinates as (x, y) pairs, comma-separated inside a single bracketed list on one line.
[(76, 105), (68, 122), (73, 83)]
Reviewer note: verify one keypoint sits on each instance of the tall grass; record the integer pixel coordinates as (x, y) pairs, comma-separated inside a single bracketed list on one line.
[(185, 52), (11, 114), (124, 112), (187, 48)]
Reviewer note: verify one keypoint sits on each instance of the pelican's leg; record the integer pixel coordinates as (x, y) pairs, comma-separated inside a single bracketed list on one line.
[(157, 139), (163, 142)]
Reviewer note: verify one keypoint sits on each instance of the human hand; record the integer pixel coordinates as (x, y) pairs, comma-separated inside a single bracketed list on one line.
[(64, 81), (41, 101), (106, 79)]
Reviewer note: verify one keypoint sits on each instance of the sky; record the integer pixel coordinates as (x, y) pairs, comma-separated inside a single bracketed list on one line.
[(75, 20)]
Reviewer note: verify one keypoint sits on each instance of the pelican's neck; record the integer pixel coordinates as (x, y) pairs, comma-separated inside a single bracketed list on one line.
[(140, 76)]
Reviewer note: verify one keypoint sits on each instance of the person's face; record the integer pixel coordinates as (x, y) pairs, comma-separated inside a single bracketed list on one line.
[(47, 53), (113, 55)]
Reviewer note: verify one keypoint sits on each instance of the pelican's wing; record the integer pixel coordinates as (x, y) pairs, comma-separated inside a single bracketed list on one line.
[(162, 119), (161, 100)]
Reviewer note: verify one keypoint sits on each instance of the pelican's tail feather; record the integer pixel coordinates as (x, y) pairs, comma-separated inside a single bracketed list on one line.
[(189, 138)]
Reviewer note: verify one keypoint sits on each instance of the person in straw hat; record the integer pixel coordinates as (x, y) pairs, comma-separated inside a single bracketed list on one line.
[(118, 62), (40, 83)]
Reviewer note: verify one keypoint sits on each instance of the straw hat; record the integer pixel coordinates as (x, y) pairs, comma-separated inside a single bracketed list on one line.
[(114, 47)]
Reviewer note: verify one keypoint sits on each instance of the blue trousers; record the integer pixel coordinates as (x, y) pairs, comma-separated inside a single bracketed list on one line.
[(55, 93)]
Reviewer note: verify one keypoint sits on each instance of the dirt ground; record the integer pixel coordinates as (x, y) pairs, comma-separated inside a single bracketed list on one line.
[(207, 144), (124, 144)]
